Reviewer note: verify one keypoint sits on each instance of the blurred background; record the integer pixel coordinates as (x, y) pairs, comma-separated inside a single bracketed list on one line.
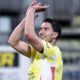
[(13, 66)]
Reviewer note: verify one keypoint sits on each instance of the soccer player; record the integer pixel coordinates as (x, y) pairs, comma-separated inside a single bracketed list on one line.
[(46, 56)]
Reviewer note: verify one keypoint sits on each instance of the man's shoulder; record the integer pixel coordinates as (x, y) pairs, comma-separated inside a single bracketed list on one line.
[(49, 45)]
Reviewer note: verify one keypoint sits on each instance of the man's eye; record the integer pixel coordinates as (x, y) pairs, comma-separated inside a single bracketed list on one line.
[(46, 29)]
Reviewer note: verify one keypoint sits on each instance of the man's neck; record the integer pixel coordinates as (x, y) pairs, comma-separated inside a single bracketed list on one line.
[(53, 42)]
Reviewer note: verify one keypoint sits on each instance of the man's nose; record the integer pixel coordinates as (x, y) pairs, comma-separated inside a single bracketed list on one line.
[(42, 31)]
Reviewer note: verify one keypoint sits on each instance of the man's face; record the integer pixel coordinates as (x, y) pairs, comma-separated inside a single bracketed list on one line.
[(46, 32)]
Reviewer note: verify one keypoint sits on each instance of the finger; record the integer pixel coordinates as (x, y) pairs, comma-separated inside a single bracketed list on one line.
[(45, 6), (38, 4), (42, 5), (33, 2)]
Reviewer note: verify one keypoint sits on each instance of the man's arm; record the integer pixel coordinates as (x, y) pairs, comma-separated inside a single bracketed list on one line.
[(29, 29), (16, 43), (14, 39)]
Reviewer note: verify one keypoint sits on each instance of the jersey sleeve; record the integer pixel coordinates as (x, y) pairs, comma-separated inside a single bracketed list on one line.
[(33, 52), (50, 51)]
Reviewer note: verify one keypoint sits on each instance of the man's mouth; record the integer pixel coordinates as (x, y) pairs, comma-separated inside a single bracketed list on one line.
[(42, 37)]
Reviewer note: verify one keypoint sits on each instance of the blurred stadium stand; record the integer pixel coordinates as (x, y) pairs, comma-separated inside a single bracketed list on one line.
[(65, 12)]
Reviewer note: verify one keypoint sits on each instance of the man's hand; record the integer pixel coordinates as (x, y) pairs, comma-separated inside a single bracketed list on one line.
[(32, 3), (39, 7)]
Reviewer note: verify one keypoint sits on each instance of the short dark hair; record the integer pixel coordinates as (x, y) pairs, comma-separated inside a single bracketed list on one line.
[(55, 26)]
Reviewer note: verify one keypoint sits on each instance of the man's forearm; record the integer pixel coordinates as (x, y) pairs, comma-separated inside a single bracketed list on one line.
[(29, 23), (16, 34)]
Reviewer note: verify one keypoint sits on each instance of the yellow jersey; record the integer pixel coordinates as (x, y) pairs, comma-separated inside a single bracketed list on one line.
[(47, 65)]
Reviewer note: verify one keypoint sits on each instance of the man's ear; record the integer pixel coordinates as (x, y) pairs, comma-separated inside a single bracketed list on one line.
[(55, 35)]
